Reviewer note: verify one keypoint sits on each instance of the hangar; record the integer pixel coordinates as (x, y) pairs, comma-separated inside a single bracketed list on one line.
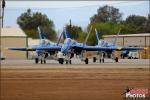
[(13, 37), (132, 40)]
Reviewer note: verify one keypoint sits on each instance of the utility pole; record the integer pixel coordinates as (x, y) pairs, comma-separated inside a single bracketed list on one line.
[(70, 27), (70, 24), (3, 6), (149, 7)]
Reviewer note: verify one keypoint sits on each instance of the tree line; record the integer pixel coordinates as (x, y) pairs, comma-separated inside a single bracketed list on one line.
[(108, 20), (30, 21)]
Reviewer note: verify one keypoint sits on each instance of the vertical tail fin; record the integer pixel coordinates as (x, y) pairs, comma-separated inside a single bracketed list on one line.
[(41, 34), (66, 34), (88, 35), (59, 38), (97, 35), (115, 39)]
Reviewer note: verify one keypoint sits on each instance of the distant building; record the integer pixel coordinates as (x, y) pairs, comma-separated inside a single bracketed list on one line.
[(13, 37), (132, 40)]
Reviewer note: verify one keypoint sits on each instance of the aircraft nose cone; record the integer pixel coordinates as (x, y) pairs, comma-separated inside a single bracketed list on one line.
[(64, 49)]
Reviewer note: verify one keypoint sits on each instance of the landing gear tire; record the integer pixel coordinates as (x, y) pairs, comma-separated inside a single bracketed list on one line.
[(61, 60), (70, 61), (86, 61), (36, 60), (116, 59), (94, 59), (41, 61), (101, 60), (44, 61), (67, 62)]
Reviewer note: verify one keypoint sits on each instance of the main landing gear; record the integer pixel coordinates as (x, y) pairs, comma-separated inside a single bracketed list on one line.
[(116, 59), (61, 61), (101, 60), (94, 59), (37, 60), (101, 57), (68, 61), (86, 60)]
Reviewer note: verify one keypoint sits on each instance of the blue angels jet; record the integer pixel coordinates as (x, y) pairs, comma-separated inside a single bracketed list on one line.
[(43, 50), (110, 53), (69, 48)]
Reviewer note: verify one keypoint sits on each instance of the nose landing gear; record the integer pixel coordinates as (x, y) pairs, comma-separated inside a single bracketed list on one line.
[(86, 61)]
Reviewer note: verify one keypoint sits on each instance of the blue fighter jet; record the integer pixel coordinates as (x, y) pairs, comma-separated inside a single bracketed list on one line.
[(69, 48), (43, 50), (110, 53)]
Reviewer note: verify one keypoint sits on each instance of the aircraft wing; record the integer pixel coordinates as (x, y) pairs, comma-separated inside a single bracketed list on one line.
[(49, 48), (132, 48), (21, 49), (98, 48)]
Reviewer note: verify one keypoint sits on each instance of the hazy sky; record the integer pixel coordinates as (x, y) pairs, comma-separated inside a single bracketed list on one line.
[(78, 11)]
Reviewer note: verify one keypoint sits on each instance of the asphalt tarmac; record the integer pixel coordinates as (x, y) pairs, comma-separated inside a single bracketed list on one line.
[(109, 63)]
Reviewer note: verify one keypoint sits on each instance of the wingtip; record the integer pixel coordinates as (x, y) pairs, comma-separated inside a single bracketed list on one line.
[(29, 48)]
